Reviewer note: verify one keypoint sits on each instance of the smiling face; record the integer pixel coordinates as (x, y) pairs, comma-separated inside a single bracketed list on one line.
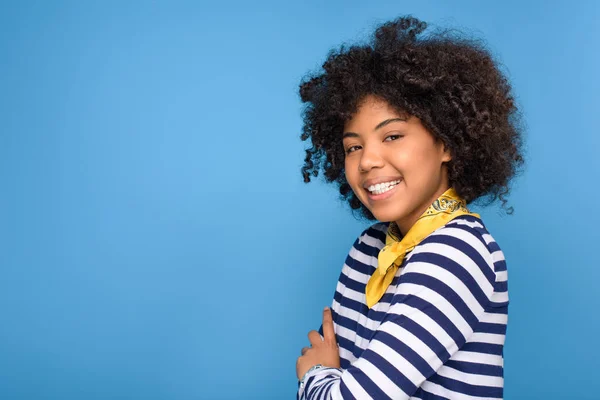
[(393, 163)]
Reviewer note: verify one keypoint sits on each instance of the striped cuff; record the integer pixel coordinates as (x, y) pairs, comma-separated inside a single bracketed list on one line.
[(316, 375)]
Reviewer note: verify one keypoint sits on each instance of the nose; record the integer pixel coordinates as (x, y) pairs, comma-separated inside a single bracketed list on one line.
[(370, 158)]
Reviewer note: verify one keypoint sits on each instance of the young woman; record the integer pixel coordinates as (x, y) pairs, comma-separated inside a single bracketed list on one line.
[(413, 128)]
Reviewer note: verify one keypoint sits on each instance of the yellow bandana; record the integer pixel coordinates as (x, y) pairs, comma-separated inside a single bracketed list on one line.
[(447, 207)]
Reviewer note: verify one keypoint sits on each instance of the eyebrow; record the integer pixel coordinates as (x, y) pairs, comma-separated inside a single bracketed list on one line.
[(379, 126)]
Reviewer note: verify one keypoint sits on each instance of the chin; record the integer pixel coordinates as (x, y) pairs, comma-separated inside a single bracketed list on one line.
[(383, 216)]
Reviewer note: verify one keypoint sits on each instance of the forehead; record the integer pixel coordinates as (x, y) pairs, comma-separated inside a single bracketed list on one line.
[(372, 110)]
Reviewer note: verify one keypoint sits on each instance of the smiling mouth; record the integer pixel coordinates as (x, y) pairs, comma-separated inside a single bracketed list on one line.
[(381, 188)]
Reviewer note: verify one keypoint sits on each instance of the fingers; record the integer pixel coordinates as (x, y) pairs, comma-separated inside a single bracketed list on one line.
[(328, 331), (314, 338)]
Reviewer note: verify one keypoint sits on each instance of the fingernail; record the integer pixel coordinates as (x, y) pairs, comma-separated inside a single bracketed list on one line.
[(326, 309)]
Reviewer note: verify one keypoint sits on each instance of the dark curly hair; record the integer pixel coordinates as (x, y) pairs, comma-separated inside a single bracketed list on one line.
[(451, 83)]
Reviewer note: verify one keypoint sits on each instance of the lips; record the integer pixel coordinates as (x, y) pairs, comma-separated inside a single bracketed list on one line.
[(383, 187), (381, 179), (382, 196)]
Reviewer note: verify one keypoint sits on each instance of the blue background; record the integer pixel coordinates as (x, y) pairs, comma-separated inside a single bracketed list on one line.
[(157, 240)]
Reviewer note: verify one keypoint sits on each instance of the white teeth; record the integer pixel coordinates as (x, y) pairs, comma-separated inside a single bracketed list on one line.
[(382, 187)]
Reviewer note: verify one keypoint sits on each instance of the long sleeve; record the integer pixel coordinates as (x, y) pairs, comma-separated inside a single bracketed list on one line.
[(441, 295)]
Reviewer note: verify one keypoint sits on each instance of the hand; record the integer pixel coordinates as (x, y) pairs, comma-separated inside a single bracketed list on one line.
[(323, 352)]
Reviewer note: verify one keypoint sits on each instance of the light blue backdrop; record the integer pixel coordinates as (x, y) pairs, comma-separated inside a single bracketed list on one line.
[(157, 240)]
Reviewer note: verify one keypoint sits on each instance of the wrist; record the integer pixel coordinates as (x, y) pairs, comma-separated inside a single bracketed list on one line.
[(313, 368)]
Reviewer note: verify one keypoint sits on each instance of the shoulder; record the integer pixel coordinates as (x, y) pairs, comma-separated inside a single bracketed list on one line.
[(464, 231), (372, 237), (464, 243), (362, 256)]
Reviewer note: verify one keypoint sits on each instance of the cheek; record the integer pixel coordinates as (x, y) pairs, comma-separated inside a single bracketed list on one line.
[(346, 169), (411, 160), (353, 177), (422, 154), (351, 164), (419, 164), (349, 173)]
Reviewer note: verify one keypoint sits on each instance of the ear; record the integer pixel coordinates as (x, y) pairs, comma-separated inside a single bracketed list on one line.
[(446, 155)]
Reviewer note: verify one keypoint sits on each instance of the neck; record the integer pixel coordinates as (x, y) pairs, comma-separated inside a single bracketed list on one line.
[(406, 223)]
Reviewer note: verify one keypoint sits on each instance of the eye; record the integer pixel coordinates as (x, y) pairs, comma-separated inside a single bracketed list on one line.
[(350, 149), (395, 137)]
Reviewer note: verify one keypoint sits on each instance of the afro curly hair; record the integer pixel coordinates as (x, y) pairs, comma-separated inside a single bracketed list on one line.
[(452, 84)]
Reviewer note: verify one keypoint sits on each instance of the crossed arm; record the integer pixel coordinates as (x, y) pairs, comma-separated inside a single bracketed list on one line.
[(434, 310)]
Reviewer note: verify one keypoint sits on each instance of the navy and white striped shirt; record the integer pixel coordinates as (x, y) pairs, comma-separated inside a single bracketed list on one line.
[(437, 333)]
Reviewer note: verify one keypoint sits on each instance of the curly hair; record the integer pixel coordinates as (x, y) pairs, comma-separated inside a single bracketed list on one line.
[(452, 84)]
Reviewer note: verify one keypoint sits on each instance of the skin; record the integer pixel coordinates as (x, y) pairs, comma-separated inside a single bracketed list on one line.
[(401, 148), (323, 351), (381, 142)]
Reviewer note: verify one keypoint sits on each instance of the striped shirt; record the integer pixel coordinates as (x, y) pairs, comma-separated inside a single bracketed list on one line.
[(437, 333)]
